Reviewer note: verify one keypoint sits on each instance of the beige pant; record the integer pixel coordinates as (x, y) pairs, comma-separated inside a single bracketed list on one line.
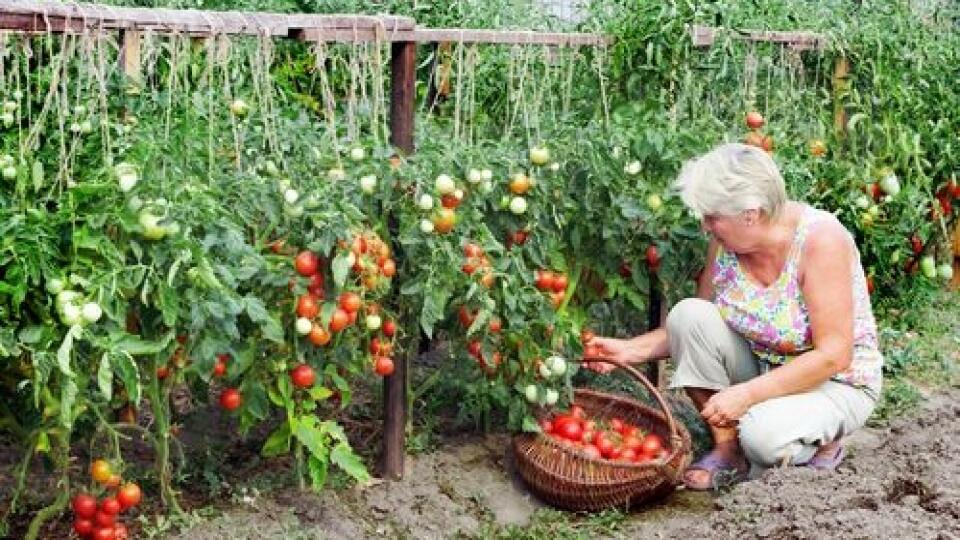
[(709, 354)]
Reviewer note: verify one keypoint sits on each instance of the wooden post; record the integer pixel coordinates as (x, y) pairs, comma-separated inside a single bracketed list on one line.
[(403, 77), (841, 83), (955, 282), (130, 55), (655, 320), (402, 107)]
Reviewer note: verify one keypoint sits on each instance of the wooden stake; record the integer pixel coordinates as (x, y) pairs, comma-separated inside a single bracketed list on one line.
[(403, 77), (402, 104), (841, 83), (130, 55), (655, 318)]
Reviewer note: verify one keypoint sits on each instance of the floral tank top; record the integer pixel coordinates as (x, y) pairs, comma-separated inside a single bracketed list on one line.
[(775, 321)]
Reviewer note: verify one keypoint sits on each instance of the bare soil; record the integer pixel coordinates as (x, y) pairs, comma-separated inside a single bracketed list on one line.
[(900, 481)]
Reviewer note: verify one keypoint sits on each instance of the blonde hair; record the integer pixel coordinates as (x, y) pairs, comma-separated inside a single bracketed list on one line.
[(732, 178)]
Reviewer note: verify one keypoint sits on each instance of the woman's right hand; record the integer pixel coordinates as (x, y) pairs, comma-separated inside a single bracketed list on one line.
[(627, 351)]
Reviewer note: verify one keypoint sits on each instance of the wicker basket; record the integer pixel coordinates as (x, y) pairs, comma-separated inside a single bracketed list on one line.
[(563, 476)]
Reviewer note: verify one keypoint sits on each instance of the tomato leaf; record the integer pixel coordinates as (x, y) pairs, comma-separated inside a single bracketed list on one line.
[(278, 442), (105, 376), (258, 313), (320, 393), (433, 308), (340, 266), (306, 430), (43, 363), (342, 456), (137, 346), (126, 369), (529, 424), (318, 471), (63, 353)]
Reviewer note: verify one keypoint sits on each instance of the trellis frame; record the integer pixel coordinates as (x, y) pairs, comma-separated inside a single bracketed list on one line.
[(46, 16)]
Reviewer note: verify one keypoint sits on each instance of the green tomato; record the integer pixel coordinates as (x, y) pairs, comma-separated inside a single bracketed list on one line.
[(530, 392), (152, 230), (928, 266)]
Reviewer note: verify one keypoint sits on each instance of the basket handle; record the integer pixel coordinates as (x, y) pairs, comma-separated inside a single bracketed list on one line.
[(675, 438)]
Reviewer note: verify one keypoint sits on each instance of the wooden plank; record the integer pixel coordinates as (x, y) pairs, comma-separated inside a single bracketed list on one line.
[(706, 36), (403, 76), (57, 16), (430, 35)]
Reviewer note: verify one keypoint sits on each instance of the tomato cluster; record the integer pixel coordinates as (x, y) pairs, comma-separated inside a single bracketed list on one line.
[(754, 137), (613, 439), (552, 283), (98, 519)]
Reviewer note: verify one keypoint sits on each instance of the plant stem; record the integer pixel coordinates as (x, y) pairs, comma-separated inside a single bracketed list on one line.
[(61, 458), (160, 401)]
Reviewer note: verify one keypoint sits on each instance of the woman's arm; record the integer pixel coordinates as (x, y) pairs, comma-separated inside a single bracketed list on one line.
[(654, 344), (827, 287)]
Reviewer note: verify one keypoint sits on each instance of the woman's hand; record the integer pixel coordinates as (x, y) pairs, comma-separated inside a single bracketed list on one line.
[(627, 351), (725, 407)]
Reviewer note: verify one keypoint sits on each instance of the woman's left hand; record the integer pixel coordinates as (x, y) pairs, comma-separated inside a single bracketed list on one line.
[(725, 407)]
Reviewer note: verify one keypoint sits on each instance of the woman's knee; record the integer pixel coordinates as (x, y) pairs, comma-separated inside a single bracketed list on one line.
[(691, 313), (763, 442)]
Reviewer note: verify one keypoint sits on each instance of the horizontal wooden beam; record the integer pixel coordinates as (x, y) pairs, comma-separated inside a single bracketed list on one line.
[(455, 35), (47, 15), (705, 36)]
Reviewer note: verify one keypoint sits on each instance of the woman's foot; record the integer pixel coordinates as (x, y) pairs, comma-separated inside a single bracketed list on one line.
[(723, 466), (828, 456)]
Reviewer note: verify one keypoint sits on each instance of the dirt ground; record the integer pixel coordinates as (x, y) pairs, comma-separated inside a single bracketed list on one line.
[(901, 481)]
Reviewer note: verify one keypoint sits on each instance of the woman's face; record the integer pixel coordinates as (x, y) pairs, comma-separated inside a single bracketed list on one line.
[(733, 232)]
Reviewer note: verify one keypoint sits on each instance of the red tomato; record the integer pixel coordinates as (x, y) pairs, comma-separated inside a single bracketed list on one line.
[(352, 317), (389, 328), (474, 348), (625, 270), (307, 306), (916, 244), (375, 346), (359, 245), (84, 505), (302, 376), (559, 283), (571, 430), (546, 426), (469, 267), (350, 302), (129, 495), (388, 268), (754, 120), (306, 263), (653, 257), (120, 532), (219, 368), (651, 445), (466, 316), (577, 411), (105, 533), (604, 445), (543, 279), (340, 320), (315, 286), (496, 325), (628, 454), (472, 250), (383, 366), (616, 424), (230, 399), (163, 372), (104, 519), (632, 443), (318, 336), (83, 527)]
